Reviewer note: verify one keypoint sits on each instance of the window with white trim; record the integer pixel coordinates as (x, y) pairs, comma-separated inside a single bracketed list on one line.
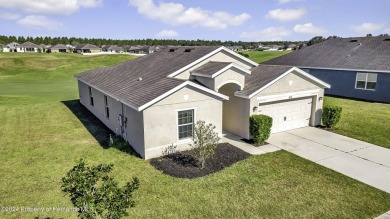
[(90, 96), (366, 81), (106, 107), (185, 123)]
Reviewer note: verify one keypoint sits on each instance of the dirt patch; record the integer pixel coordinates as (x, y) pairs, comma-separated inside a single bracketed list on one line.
[(183, 164)]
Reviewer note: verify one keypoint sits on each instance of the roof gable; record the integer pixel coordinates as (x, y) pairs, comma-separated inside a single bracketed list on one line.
[(213, 69)]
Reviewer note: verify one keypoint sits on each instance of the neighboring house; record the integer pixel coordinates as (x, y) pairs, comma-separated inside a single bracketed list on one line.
[(86, 48), (292, 47), (235, 48), (12, 47), (59, 48), (142, 49), (113, 48), (274, 48), (356, 68), (155, 100), (28, 47)]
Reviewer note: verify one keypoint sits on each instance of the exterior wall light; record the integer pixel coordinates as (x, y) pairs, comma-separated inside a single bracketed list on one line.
[(255, 109), (320, 98)]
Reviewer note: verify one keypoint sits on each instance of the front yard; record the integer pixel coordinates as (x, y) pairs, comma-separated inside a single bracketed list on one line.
[(43, 135)]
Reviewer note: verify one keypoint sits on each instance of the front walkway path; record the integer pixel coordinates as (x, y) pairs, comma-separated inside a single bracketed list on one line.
[(236, 141)]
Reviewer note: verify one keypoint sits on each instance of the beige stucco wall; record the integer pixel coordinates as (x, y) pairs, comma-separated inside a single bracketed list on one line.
[(218, 57), (228, 76), (133, 132), (299, 84), (160, 120)]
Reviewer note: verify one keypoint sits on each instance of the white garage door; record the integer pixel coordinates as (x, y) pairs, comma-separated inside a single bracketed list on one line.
[(289, 114)]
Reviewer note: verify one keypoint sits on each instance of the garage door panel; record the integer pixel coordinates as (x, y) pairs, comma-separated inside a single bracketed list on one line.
[(289, 114)]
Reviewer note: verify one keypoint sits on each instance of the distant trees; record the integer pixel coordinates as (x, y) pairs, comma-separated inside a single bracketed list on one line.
[(316, 39)]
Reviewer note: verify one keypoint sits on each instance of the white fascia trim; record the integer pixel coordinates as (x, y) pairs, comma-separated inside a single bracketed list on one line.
[(208, 56), (231, 65), (285, 96), (346, 69), (231, 81), (108, 94), (155, 100), (301, 72)]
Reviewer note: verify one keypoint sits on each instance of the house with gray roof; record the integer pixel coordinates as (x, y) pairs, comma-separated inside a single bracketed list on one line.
[(28, 47), (154, 101), (357, 67), (59, 48), (112, 48), (12, 47), (86, 48)]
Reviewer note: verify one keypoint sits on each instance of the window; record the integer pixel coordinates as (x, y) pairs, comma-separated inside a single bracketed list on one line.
[(90, 96), (106, 106), (186, 123), (366, 81)]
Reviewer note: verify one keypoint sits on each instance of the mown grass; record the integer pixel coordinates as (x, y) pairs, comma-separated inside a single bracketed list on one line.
[(262, 56), (366, 121), (43, 135)]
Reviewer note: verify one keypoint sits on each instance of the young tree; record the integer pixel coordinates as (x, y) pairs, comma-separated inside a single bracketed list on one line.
[(95, 193), (204, 141)]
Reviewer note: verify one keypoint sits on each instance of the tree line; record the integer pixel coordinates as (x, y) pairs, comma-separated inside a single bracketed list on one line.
[(149, 42)]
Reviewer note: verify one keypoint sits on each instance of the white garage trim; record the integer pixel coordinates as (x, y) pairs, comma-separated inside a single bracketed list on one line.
[(285, 96)]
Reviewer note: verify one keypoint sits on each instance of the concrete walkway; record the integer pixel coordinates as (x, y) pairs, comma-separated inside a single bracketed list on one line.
[(362, 161), (236, 141)]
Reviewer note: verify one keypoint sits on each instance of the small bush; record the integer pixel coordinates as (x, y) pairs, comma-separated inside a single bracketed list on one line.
[(331, 115), (243, 54), (260, 128)]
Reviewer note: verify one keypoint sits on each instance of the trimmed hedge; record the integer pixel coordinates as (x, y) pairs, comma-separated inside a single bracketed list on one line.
[(331, 115), (260, 128)]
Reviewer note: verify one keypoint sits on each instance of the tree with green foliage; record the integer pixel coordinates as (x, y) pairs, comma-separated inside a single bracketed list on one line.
[(96, 194), (260, 128), (204, 142), (316, 39)]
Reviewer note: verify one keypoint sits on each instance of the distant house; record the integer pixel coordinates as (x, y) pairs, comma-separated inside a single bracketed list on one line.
[(274, 48), (12, 47), (86, 48), (356, 68), (235, 48), (113, 48), (291, 47), (28, 47), (142, 49), (59, 48)]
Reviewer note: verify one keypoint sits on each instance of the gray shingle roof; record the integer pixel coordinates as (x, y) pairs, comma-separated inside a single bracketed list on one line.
[(121, 81), (367, 53), (260, 76), (86, 46), (28, 45), (59, 46), (211, 67)]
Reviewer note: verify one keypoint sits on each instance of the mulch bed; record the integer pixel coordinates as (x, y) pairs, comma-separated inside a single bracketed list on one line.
[(250, 141), (183, 164)]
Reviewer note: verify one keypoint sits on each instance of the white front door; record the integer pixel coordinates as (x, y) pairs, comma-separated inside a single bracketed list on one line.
[(288, 114)]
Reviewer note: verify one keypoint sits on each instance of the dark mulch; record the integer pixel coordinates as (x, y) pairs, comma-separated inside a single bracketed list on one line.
[(250, 141), (183, 164)]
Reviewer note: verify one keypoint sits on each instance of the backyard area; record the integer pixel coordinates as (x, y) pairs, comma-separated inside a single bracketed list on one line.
[(262, 56), (44, 131)]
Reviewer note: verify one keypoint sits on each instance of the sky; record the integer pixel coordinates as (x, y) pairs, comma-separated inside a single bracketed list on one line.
[(236, 20)]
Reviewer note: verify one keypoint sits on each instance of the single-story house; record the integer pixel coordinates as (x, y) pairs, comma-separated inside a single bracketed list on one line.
[(357, 68), (59, 48), (235, 48), (29, 47), (87, 48), (154, 101), (12, 47), (113, 48)]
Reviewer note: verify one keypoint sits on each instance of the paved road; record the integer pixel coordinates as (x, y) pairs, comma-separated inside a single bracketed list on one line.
[(362, 161)]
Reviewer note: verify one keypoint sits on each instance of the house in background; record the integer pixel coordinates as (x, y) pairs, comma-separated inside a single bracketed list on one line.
[(12, 47), (155, 100), (86, 48), (113, 49), (59, 48), (356, 68), (29, 47)]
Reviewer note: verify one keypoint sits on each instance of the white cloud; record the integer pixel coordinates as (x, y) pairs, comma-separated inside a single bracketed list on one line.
[(167, 33), (178, 14), (366, 28), (308, 29), (9, 16), (40, 22), (57, 7), (268, 34), (287, 1), (286, 14)]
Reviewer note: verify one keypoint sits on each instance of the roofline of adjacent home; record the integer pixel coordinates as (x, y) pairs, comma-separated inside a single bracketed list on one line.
[(231, 65), (300, 71), (347, 69), (208, 56), (162, 96)]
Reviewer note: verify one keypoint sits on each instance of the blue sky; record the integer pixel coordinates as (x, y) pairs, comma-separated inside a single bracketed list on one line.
[(245, 20)]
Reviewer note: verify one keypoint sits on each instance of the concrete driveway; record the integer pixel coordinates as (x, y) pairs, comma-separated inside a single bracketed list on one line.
[(362, 161)]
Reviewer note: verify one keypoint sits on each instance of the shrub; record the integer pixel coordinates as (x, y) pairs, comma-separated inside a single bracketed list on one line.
[(260, 128), (204, 141), (244, 54), (96, 194), (331, 115)]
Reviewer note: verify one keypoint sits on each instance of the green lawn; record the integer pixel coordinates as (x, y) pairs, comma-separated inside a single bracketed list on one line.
[(262, 56), (365, 121), (44, 131)]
